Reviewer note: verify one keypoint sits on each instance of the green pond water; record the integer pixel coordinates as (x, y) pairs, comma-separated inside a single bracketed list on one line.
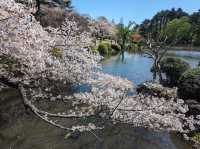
[(22, 130)]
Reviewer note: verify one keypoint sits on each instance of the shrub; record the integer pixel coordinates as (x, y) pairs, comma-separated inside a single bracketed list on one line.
[(94, 49), (189, 85), (11, 65), (116, 47), (196, 136), (173, 68), (9, 61), (57, 52), (104, 48)]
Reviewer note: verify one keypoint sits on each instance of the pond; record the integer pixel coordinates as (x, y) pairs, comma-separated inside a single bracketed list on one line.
[(22, 130), (136, 67)]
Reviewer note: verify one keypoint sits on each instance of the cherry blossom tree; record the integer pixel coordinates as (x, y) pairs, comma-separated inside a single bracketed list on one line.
[(103, 29), (42, 62)]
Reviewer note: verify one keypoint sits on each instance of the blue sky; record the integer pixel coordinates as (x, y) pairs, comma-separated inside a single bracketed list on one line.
[(134, 10)]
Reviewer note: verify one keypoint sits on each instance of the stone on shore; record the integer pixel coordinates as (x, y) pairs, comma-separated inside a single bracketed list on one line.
[(156, 89)]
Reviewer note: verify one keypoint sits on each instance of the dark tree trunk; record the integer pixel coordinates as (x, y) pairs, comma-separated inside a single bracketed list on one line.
[(8, 83), (160, 76), (122, 56), (38, 3), (154, 75)]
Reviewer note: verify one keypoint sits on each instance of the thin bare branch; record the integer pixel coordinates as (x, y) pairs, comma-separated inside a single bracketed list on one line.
[(5, 19)]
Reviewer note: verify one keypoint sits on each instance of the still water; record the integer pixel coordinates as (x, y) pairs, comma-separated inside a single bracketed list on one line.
[(136, 67), (21, 130)]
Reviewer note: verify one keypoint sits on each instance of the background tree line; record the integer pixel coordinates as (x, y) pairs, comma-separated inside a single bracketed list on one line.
[(177, 24)]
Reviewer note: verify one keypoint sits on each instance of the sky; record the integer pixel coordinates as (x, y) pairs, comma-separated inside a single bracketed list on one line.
[(131, 10)]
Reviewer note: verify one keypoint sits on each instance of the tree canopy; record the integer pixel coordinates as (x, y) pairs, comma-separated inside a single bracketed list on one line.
[(124, 33), (179, 30), (177, 23)]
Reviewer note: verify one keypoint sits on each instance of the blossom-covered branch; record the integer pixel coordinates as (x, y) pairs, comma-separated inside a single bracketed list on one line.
[(42, 61)]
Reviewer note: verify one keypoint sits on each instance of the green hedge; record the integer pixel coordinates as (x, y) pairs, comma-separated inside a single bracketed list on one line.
[(116, 47), (189, 85), (192, 73), (173, 68), (196, 136), (104, 48)]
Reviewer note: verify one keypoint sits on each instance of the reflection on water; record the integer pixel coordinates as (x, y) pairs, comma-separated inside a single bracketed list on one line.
[(34, 134), (187, 54), (28, 132), (192, 57), (21, 130), (136, 67)]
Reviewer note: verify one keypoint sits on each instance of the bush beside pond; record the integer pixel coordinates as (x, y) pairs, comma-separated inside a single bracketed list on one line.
[(116, 47), (155, 89), (196, 136), (189, 85), (173, 68), (106, 48)]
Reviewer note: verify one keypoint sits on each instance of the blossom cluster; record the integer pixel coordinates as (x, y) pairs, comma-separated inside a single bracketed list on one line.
[(63, 54), (25, 40), (104, 28)]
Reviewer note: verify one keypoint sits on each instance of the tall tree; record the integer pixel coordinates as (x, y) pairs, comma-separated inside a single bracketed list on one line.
[(155, 49), (179, 30), (195, 20), (62, 3), (103, 29), (38, 3), (123, 34), (159, 21)]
